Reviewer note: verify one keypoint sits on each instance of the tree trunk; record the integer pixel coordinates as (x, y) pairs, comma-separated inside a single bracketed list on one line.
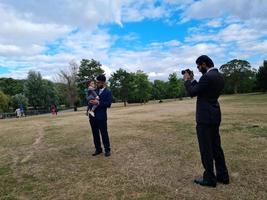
[(125, 103), (235, 89)]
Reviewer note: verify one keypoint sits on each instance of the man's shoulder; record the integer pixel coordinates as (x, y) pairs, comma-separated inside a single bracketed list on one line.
[(214, 73), (107, 90)]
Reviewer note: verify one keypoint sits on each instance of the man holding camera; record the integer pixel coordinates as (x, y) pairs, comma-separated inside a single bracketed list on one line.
[(208, 118)]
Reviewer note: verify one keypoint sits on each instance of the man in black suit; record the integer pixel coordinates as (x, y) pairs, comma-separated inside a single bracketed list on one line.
[(208, 118), (99, 121)]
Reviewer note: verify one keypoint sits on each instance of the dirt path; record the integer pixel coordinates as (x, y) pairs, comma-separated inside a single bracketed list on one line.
[(34, 147)]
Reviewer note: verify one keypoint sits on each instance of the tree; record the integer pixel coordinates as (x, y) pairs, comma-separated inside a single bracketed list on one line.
[(49, 94), (141, 88), (33, 89), (159, 90), (4, 102), (62, 93), (11, 86), (237, 74), (121, 84), (19, 100), (262, 77), (69, 77), (175, 86), (89, 69)]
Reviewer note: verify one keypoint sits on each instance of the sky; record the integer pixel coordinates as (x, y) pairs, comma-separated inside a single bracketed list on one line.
[(158, 37)]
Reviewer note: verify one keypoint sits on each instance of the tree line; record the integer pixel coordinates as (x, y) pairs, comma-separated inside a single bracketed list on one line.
[(127, 87)]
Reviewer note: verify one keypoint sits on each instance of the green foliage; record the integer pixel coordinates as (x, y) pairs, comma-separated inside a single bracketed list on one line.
[(175, 87), (262, 77), (89, 69), (49, 94), (239, 77), (4, 102), (136, 87), (33, 89), (11, 86), (19, 100), (159, 90), (141, 88), (62, 93), (40, 93), (121, 84)]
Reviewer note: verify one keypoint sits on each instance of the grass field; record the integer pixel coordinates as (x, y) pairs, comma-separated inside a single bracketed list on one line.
[(154, 154)]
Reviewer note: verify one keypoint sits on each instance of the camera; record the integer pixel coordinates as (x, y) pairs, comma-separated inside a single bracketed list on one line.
[(191, 73)]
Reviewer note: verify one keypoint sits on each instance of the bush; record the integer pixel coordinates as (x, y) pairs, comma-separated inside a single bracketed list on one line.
[(19, 100), (4, 102)]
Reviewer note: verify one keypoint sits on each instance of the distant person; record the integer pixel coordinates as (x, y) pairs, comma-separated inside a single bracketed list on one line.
[(56, 110), (208, 118), (22, 113), (53, 110), (91, 95), (18, 113), (99, 122)]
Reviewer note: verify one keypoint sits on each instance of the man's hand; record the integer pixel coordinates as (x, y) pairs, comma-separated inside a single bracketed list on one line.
[(187, 77), (94, 102)]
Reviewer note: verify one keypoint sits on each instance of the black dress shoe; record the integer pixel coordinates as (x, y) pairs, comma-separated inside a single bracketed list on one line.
[(107, 154), (205, 183), (96, 153), (223, 181)]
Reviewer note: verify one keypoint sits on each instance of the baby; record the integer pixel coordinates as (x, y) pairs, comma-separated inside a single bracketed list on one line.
[(91, 95)]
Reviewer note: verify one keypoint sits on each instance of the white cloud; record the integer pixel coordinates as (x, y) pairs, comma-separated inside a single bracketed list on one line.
[(46, 35), (138, 10), (231, 33), (215, 23), (81, 13), (13, 50), (253, 12), (171, 43), (15, 30), (159, 63)]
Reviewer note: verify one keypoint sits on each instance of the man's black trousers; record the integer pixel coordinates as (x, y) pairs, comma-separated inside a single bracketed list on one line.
[(211, 151), (100, 127)]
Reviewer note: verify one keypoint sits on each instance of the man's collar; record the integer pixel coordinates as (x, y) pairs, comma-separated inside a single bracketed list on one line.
[(212, 68), (101, 90)]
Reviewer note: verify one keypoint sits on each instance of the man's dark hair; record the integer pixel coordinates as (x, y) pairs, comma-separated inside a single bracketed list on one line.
[(101, 77), (205, 59)]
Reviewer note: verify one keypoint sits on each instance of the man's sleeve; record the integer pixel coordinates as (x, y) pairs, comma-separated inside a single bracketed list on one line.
[(107, 101), (194, 88), (87, 96), (95, 94)]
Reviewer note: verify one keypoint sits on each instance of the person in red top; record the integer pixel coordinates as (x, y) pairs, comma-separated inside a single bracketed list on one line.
[(53, 110)]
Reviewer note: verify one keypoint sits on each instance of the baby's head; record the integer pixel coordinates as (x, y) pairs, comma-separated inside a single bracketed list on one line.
[(90, 84)]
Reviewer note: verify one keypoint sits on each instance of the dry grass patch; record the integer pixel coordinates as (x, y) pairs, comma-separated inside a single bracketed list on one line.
[(154, 154)]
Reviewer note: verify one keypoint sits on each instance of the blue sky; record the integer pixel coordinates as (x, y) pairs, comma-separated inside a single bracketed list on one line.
[(158, 37)]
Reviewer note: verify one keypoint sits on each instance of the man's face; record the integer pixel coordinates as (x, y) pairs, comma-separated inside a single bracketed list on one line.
[(202, 68), (100, 84)]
